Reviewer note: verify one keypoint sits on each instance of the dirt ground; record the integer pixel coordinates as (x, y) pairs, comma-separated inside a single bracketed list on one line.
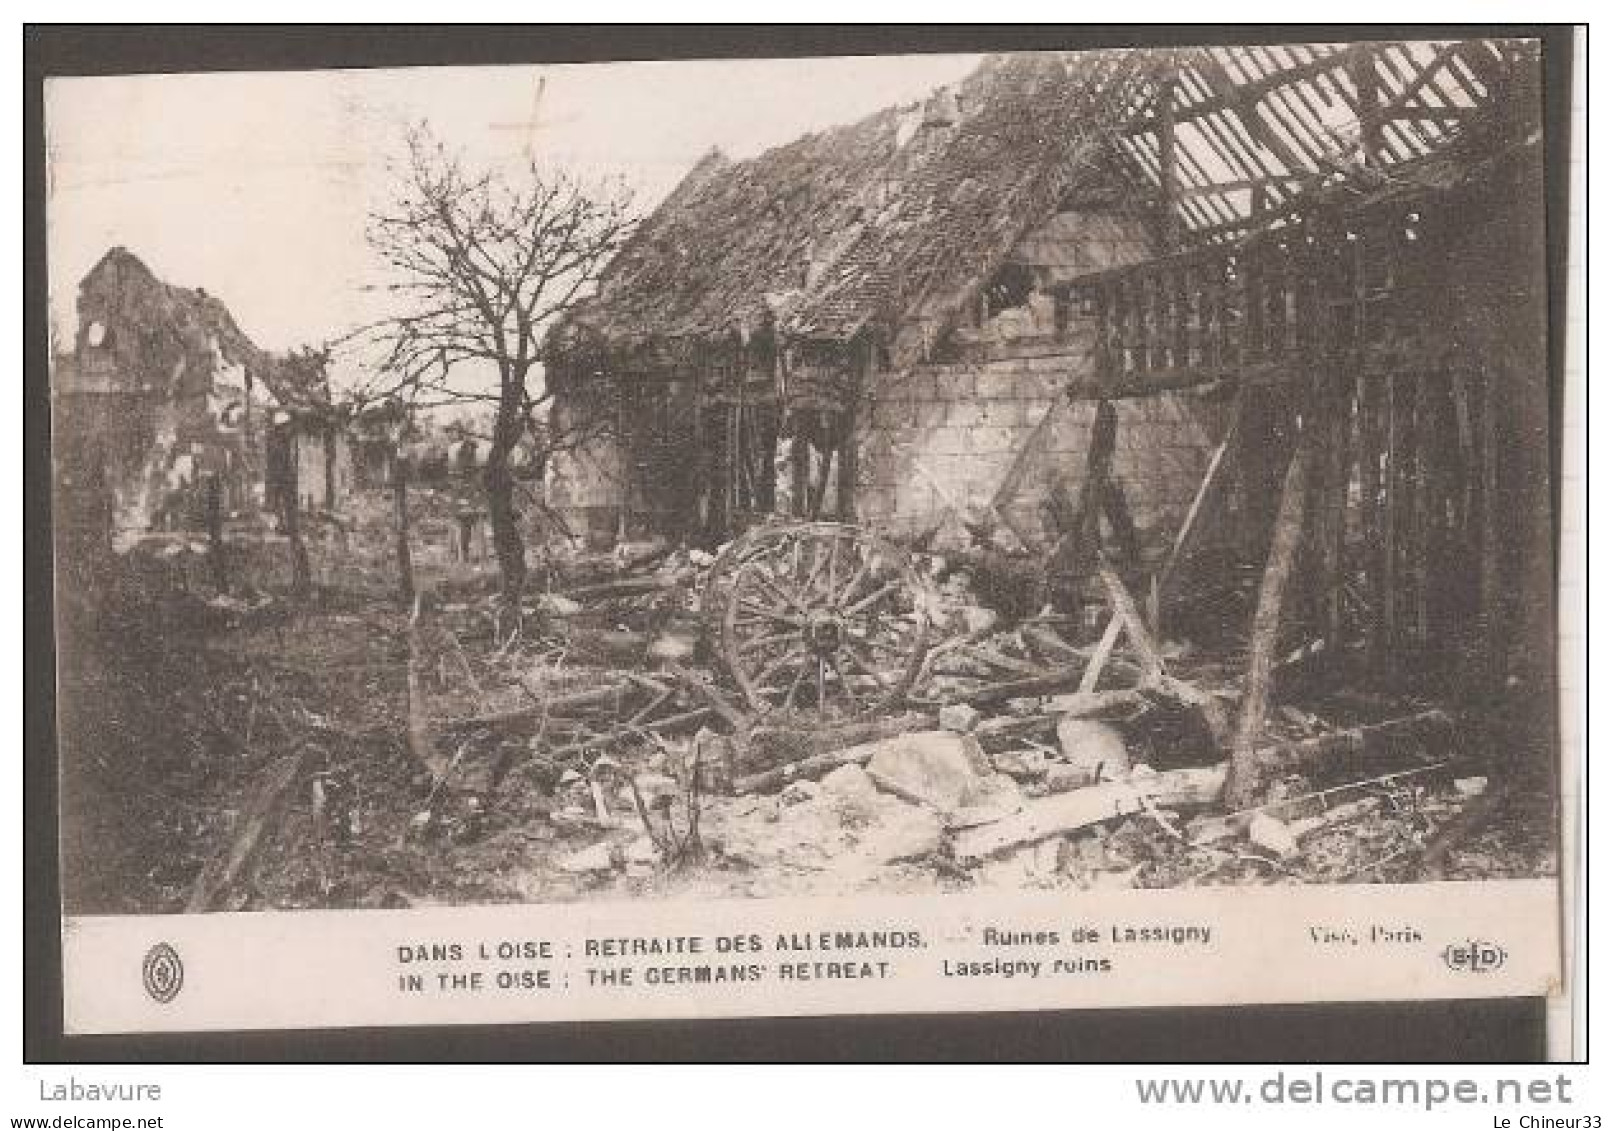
[(170, 716)]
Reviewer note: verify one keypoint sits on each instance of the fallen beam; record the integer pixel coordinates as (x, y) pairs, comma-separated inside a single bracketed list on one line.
[(559, 705), (1050, 682), (1358, 750), (631, 586), (1069, 812), (772, 746)]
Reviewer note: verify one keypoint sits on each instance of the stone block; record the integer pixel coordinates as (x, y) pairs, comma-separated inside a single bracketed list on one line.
[(1094, 751), (938, 768), (997, 384), (892, 414), (967, 413), (992, 439), (955, 386), (948, 441)]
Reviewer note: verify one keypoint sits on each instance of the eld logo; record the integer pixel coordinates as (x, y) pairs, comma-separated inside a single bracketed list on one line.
[(163, 973), (1474, 956)]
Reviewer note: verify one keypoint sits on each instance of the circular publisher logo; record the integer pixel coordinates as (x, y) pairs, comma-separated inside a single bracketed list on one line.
[(163, 973), (1474, 956)]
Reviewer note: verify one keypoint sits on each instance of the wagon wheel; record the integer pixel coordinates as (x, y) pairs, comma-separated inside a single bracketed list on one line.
[(825, 617), (757, 541)]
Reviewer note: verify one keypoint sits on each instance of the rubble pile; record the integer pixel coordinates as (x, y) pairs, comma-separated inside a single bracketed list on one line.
[(599, 744)]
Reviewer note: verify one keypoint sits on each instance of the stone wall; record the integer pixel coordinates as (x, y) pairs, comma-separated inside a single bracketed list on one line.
[(938, 442)]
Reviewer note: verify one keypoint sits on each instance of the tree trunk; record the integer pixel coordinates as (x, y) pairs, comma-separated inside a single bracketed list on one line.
[(405, 557), (1288, 534), (499, 481)]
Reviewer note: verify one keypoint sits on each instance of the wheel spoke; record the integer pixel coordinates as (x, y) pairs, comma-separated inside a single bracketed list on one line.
[(781, 594), (779, 665), (845, 684), (866, 667), (857, 577), (881, 645), (768, 619), (816, 571), (821, 605), (756, 643), (873, 598), (794, 686)]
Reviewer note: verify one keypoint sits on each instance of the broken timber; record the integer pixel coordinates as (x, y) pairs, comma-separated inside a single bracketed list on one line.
[(224, 870), (1068, 812), (1285, 540)]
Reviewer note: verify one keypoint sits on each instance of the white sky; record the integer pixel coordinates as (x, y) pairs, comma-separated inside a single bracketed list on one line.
[(255, 186)]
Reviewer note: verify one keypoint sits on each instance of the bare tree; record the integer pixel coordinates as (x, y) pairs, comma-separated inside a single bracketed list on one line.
[(479, 267)]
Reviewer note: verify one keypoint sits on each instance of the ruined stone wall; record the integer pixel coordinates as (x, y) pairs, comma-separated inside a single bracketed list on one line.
[(937, 442)]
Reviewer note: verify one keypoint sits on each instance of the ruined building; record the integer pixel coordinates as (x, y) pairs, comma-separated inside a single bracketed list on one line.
[(164, 396), (1220, 250)]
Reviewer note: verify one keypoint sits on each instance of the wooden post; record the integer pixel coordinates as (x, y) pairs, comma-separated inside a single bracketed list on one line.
[(400, 509), (800, 465), (1393, 430), (1121, 525), (1492, 621), (845, 489), (1332, 519), (215, 533), (1421, 505), (1242, 784), (1076, 550), (330, 468), (1169, 228), (301, 570), (1363, 74)]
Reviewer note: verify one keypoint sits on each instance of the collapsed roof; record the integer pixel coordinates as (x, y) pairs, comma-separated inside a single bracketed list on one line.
[(903, 216)]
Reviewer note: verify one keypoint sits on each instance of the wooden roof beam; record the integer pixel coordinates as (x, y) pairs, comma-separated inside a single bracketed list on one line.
[(1220, 81), (1246, 92)]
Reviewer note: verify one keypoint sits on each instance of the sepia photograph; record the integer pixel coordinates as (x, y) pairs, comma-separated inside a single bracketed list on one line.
[(1121, 479)]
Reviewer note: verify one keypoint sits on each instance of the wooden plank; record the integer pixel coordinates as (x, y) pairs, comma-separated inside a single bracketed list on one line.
[(1099, 658), (1068, 812), (1369, 748), (1011, 483), (1124, 606), (1212, 489)]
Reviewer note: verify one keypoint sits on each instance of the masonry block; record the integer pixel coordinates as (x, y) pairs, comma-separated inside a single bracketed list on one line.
[(994, 439), (892, 413), (967, 414), (1003, 384), (955, 386)]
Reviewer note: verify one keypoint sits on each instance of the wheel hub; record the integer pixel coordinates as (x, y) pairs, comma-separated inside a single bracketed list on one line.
[(823, 633)]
